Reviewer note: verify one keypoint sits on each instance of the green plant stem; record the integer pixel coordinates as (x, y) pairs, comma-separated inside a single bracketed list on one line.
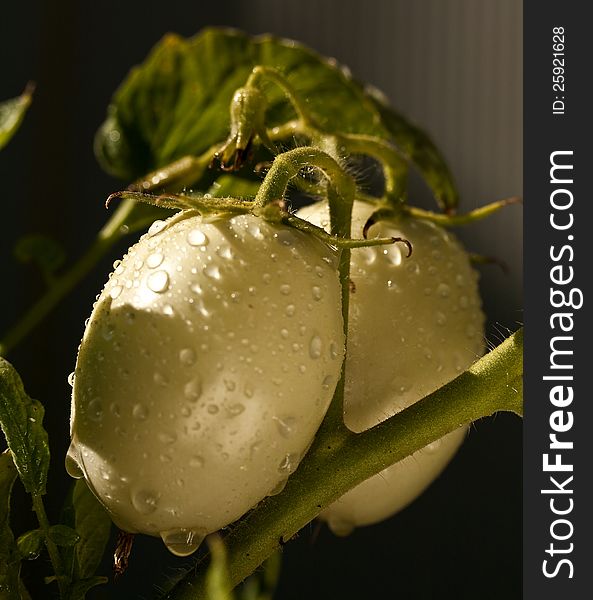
[(261, 73), (64, 283), (337, 464), (175, 176), (52, 549), (395, 166), (446, 220)]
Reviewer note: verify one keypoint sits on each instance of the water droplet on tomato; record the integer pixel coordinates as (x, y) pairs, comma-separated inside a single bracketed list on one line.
[(160, 379), (95, 410), (140, 412), (182, 542), (154, 260), (155, 228), (235, 409), (212, 271), (167, 437), (187, 356), (286, 426), (369, 255), (197, 237), (158, 281), (144, 501), (315, 347), (196, 461), (288, 464), (107, 331), (225, 252), (193, 390), (72, 462), (278, 487), (440, 318)]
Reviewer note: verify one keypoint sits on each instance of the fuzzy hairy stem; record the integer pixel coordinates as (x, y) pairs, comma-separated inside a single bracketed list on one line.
[(52, 549), (339, 461), (477, 214)]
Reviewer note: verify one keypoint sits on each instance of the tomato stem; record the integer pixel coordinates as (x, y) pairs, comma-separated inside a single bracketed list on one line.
[(339, 461), (446, 220), (54, 554), (260, 73)]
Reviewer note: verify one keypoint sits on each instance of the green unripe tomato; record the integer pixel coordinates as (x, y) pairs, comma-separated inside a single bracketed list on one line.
[(206, 367), (414, 324)]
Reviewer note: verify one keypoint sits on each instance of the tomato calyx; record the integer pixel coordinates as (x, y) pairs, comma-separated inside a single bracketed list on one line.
[(270, 203)]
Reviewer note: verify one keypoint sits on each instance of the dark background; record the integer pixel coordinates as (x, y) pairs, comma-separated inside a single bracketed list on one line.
[(455, 67)]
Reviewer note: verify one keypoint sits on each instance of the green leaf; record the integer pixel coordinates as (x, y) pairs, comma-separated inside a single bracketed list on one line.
[(12, 113), (218, 582), (235, 187), (62, 535), (41, 250), (93, 525), (79, 589), (10, 563), (21, 419), (30, 544), (419, 149), (177, 102)]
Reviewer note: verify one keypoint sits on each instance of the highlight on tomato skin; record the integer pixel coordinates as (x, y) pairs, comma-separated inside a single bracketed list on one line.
[(415, 323), (206, 367)]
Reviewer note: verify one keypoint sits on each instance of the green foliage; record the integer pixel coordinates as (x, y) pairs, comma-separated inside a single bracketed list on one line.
[(237, 187), (79, 589), (12, 113), (30, 544), (87, 516), (47, 254), (164, 125), (419, 149), (177, 103), (10, 561), (21, 419), (62, 535)]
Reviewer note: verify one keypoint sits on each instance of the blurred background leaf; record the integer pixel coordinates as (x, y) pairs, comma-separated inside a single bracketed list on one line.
[(12, 113)]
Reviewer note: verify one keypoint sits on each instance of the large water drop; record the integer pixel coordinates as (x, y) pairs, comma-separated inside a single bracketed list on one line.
[(193, 390), (315, 347), (72, 467), (158, 282), (144, 502), (196, 237)]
